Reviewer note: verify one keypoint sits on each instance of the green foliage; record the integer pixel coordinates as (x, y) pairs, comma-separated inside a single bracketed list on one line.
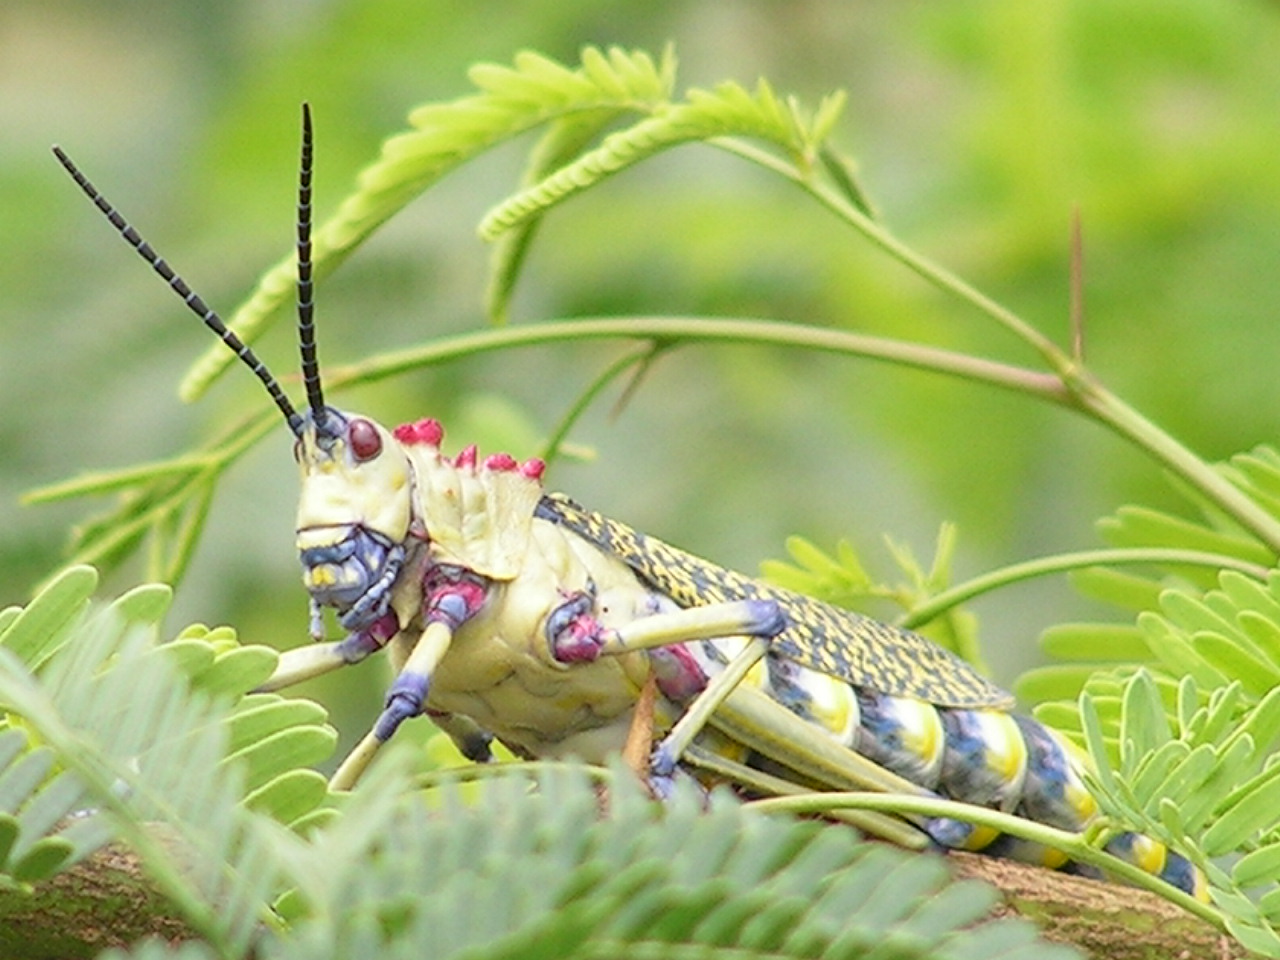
[(131, 693), (36, 839), (150, 735), (1204, 784), (843, 580), (510, 101), (1180, 626), (1182, 754), (551, 877)]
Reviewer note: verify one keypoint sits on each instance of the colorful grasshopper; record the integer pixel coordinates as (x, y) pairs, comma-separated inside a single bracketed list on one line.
[(517, 614)]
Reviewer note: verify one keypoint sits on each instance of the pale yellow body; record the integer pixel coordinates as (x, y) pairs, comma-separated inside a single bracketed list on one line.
[(499, 670)]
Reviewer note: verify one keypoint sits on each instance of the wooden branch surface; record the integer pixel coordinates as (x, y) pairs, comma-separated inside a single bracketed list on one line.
[(108, 901)]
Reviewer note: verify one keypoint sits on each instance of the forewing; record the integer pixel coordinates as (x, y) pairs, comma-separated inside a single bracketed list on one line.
[(840, 643)]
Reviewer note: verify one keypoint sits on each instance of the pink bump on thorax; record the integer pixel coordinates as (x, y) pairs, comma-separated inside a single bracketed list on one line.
[(500, 461), (531, 469), (427, 430)]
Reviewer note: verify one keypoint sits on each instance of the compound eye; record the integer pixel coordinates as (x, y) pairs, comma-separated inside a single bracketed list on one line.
[(364, 439)]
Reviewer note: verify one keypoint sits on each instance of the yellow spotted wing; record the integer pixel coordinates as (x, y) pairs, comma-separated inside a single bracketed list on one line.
[(843, 644)]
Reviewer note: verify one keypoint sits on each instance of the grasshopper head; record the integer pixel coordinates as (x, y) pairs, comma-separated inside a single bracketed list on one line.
[(354, 511), (354, 517)]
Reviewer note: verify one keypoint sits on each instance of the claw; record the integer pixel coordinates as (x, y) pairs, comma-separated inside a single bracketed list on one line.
[(373, 638), (661, 787), (477, 748), (404, 700), (662, 765)]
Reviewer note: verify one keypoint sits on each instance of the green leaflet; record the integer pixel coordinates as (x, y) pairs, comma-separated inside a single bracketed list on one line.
[(554, 879), (1202, 784), (510, 100), (49, 649), (42, 626), (1135, 526), (1120, 642)]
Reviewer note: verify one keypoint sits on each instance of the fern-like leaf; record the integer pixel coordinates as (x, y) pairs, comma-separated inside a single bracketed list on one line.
[(525, 874), (728, 110), (842, 579), (163, 742), (119, 717), (1221, 635), (1229, 635), (1202, 783), (43, 828), (510, 101)]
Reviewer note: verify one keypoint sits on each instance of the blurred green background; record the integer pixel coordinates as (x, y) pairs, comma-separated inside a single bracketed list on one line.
[(977, 127)]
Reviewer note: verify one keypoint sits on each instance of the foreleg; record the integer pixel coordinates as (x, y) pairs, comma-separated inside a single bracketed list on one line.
[(453, 596), (316, 659)]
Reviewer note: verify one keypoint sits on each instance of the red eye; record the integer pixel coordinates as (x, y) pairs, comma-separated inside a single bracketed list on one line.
[(364, 439)]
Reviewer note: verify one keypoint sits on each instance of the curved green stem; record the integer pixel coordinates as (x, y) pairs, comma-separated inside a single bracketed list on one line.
[(1107, 408), (551, 449), (479, 772), (679, 330), (944, 601), (1074, 845), (1082, 391), (839, 204), (1071, 387)]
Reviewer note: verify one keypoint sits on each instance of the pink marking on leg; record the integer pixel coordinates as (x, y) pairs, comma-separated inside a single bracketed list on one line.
[(580, 640), (452, 595), (384, 628), (680, 678)]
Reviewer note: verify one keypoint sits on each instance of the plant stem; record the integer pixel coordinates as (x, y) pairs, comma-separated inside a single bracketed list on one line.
[(678, 330), (1110, 410), (887, 242), (940, 603), (1086, 393), (1072, 844)]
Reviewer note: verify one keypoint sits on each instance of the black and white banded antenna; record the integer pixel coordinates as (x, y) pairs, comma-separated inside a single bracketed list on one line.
[(210, 317)]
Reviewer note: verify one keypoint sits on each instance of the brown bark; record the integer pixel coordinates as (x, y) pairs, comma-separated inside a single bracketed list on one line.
[(104, 901), (1105, 920), (108, 901)]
